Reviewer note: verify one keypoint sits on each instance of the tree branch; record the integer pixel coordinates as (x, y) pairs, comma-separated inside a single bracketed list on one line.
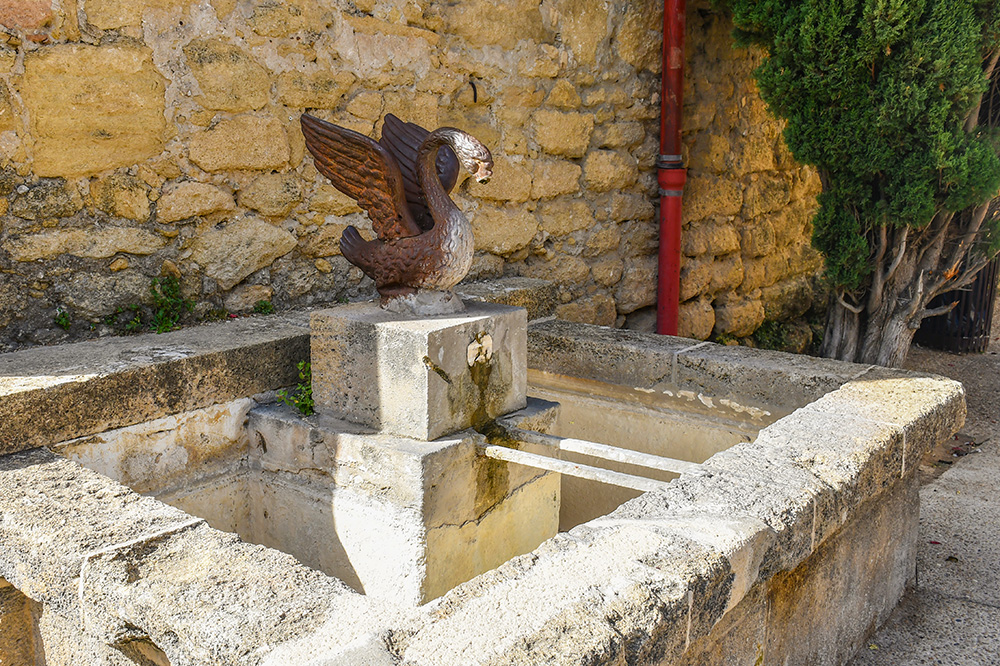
[(878, 278), (955, 257), (898, 259), (934, 312), (972, 120), (856, 309)]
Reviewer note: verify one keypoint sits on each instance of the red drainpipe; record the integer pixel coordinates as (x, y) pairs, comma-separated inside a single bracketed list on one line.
[(671, 172)]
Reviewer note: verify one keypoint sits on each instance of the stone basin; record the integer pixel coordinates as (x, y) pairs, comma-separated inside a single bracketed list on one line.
[(791, 540)]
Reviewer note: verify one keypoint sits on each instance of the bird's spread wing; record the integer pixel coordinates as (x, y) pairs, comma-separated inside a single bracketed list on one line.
[(403, 140), (363, 170)]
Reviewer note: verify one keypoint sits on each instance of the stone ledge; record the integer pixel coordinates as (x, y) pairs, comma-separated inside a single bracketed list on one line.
[(53, 394), (538, 297), (772, 381), (111, 561)]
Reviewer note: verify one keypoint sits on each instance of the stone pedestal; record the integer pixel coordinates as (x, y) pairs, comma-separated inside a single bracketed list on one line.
[(393, 517), (421, 377)]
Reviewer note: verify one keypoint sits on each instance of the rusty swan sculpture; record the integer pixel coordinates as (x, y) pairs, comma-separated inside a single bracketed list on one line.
[(424, 242)]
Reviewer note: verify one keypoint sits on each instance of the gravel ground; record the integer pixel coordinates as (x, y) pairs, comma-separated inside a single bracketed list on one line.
[(953, 615)]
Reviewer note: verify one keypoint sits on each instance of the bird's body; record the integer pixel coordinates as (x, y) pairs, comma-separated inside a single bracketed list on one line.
[(423, 240)]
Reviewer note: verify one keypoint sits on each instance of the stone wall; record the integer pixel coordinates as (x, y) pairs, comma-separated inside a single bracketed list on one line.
[(155, 138), (748, 206)]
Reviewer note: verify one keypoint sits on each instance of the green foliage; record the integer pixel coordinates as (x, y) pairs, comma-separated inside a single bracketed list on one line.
[(771, 335), (130, 323), (301, 398), (165, 314), (62, 319), (168, 304), (216, 314), (875, 93), (263, 307)]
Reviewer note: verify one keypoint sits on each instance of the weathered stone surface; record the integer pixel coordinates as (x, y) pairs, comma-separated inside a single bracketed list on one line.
[(739, 317), (482, 22), (787, 300), (727, 273), (619, 135), (366, 105), (122, 195), (637, 288), (559, 133), (511, 182), (324, 242), (100, 525), (706, 195), (49, 198), (639, 35), (605, 239), (242, 142), (555, 177), (598, 309), (245, 297), (278, 19), (541, 63), (98, 243), (536, 296), (230, 80), (110, 14), (329, 200), (757, 238), (568, 271), (696, 319), (605, 170), (563, 217), (230, 254), (16, 632), (8, 121), (564, 96), (321, 90), (639, 238), (92, 108), (607, 273), (410, 533), (366, 367), (619, 207), (709, 153), (765, 194), (503, 230), (191, 199), (369, 25), (273, 194), (32, 17), (583, 26), (696, 277)]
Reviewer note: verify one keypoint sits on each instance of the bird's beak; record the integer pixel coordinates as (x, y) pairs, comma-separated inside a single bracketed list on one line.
[(483, 174)]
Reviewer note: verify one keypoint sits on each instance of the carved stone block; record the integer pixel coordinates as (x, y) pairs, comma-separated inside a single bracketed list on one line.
[(420, 377)]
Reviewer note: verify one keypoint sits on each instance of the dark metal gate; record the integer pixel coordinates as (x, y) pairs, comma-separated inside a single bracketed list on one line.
[(967, 327)]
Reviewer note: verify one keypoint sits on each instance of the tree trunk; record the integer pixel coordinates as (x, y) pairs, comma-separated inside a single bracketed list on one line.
[(862, 338)]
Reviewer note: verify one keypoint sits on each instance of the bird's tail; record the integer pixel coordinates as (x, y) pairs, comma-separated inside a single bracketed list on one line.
[(352, 246)]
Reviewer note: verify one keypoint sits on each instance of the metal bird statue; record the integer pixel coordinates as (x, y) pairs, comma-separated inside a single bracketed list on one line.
[(424, 242)]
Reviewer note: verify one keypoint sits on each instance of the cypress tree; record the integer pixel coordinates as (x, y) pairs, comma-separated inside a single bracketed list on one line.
[(886, 99)]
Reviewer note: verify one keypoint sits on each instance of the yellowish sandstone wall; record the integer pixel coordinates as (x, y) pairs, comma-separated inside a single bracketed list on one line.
[(160, 137)]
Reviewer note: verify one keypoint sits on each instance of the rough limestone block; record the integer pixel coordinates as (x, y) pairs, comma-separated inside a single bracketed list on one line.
[(422, 377)]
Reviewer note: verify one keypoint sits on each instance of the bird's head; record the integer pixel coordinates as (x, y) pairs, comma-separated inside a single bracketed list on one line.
[(474, 156)]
